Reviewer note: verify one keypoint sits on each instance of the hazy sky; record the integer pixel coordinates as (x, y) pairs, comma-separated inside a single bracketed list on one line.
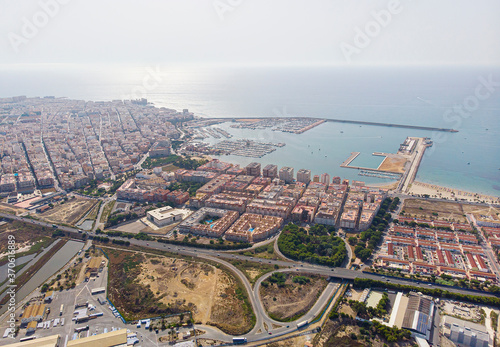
[(250, 32)]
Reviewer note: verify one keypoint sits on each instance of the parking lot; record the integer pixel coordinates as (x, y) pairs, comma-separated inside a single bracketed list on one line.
[(69, 298)]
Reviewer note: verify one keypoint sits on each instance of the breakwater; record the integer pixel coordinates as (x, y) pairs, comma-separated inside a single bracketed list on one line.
[(391, 125)]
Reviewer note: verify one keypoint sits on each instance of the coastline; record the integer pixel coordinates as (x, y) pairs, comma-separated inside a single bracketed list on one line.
[(434, 190)]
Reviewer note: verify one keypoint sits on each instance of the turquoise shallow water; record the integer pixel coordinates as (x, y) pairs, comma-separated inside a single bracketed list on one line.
[(467, 160)]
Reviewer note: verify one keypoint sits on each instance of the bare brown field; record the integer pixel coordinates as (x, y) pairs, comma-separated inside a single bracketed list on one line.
[(11, 209), (231, 311), (293, 299), (179, 280), (148, 285), (424, 209), (393, 165), (480, 212), (70, 212)]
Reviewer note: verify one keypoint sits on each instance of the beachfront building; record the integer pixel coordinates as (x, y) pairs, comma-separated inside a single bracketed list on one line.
[(270, 171), (253, 228), (325, 179), (286, 174), (304, 176), (253, 169)]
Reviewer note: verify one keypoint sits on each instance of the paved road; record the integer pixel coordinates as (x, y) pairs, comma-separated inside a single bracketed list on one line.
[(291, 266)]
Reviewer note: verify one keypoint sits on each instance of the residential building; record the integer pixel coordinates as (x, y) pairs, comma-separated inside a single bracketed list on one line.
[(304, 176), (286, 174)]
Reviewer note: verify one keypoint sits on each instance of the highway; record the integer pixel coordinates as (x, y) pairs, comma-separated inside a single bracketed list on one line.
[(274, 328)]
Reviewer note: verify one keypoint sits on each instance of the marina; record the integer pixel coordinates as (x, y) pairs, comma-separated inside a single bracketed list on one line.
[(246, 148), (287, 125)]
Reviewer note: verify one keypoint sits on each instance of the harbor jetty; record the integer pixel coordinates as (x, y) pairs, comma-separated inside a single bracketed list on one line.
[(393, 125), (350, 159)]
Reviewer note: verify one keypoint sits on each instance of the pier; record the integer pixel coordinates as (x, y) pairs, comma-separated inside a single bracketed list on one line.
[(350, 159)]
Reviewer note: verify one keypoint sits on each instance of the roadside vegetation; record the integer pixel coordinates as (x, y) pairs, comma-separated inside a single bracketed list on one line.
[(263, 252), (252, 270), (434, 292), (319, 245)]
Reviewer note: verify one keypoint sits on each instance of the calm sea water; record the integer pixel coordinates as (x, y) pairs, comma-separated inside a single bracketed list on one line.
[(468, 160)]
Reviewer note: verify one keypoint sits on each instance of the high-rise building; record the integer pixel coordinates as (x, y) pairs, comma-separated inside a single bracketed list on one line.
[(270, 171), (286, 174), (316, 178), (253, 169), (325, 178), (304, 176)]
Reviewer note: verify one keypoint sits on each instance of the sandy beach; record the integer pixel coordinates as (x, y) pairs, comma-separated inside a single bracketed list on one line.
[(435, 191)]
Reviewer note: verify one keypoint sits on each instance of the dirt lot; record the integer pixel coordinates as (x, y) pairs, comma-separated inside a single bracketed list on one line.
[(231, 311), (298, 341), (424, 209), (393, 164), (5, 208), (176, 279), (70, 212), (293, 299), (158, 284), (490, 212)]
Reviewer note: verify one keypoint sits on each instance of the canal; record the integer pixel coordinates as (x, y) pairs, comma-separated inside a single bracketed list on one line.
[(58, 260)]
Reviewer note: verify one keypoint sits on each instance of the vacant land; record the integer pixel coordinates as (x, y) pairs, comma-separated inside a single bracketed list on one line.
[(147, 285), (70, 212), (179, 280), (231, 311), (106, 211), (487, 213), (286, 297), (434, 210), (169, 168), (393, 164), (92, 215), (30, 238), (5, 208)]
